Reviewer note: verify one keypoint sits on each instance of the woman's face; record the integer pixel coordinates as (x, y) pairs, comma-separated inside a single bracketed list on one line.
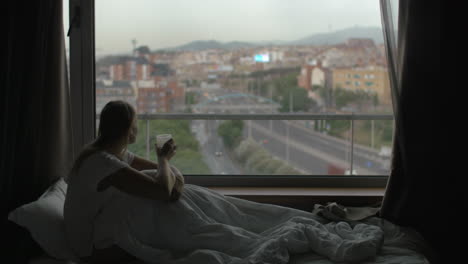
[(132, 134)]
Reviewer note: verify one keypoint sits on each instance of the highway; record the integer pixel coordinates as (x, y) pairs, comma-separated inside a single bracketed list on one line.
[(211, 143), (307, 150)]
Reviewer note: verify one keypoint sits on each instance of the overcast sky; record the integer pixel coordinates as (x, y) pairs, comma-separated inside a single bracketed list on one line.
[(170, 23)]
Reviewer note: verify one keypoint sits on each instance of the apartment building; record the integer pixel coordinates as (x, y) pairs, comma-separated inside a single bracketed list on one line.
[(372, 79), (110, 90), (311, 74)]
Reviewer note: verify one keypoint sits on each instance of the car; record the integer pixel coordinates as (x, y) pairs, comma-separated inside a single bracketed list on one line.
[(347, 172), (385, 152), (218, 153)]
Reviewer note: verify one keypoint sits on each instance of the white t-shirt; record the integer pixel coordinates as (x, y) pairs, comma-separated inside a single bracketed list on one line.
[(90, 216)]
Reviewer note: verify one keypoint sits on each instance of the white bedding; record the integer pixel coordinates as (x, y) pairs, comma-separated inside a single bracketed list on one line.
[(401, 245), (48, 260), (207, 227)]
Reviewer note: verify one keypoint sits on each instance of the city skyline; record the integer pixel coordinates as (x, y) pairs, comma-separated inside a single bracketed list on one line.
[(163, 24)]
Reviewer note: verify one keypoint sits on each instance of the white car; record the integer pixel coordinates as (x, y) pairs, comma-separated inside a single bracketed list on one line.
[(385, 152), (347, 172)]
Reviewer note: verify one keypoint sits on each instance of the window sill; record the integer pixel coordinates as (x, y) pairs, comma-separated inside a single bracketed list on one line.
[(305, 198), (294, 183), (288, 191)]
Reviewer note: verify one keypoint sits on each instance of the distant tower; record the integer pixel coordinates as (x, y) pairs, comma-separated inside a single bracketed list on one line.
[(329, 31), (134, 42)]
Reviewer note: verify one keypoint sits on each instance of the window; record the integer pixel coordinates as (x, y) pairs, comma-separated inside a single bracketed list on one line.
[(213, 102)]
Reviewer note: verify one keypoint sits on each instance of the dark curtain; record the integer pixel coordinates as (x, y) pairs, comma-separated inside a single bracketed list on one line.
[(35, 131), (415, 193)]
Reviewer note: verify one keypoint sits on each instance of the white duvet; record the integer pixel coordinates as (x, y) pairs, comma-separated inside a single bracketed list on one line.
[(207, 227)]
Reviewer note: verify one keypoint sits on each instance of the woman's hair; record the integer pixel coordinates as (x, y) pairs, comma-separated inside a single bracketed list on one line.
[(114, 123)]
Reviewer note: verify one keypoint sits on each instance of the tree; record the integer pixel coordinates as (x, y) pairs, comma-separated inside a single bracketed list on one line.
[(338, 127), (316, 87), (273, 165), (143, 49), (375, 99), (231, 132), (287, 170), (260, 167), (382, 129), (285, 87), (245, 149), (344, 98), (300, 100), (190, 98), (259, 155), (325, 93)]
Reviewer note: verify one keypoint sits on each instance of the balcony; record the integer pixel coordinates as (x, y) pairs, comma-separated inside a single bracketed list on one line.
[(308, 152)]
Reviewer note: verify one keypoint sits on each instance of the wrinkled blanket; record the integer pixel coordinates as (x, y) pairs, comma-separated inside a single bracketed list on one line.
[(207, 227)]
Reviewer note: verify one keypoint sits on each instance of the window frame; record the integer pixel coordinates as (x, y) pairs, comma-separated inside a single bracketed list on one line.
[(82, 73), (83, 96)]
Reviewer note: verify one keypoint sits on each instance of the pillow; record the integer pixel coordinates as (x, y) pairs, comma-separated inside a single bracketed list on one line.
[(44, 220)]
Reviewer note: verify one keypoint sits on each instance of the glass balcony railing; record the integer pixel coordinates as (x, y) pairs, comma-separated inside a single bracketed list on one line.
[(272, 144)]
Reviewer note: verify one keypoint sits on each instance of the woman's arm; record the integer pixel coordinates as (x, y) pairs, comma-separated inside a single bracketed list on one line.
[(165, 175), (178, 185), (140, 163), (136, 183), (167, 185)]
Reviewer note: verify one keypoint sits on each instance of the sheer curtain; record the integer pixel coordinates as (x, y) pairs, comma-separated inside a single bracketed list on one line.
[(412, 36), (35, 130)]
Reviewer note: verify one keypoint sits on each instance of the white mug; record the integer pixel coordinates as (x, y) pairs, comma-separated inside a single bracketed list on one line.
[(162, 139)]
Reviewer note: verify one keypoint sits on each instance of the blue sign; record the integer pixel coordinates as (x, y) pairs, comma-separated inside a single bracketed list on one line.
[(262, 58)]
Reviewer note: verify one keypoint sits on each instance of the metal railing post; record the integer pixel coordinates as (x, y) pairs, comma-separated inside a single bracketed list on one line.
[(352, 146), (147, 139), (287, 141)]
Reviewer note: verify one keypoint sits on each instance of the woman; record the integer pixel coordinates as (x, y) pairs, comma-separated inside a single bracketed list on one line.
[(114, 211), (106, 163)]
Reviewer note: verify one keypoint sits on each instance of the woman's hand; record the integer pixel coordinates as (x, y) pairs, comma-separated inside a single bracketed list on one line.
[(178, 186), (177, 190), (167, 151)]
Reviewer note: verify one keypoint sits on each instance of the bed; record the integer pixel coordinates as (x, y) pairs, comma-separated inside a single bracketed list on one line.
[(44, 221), (400, 246)]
